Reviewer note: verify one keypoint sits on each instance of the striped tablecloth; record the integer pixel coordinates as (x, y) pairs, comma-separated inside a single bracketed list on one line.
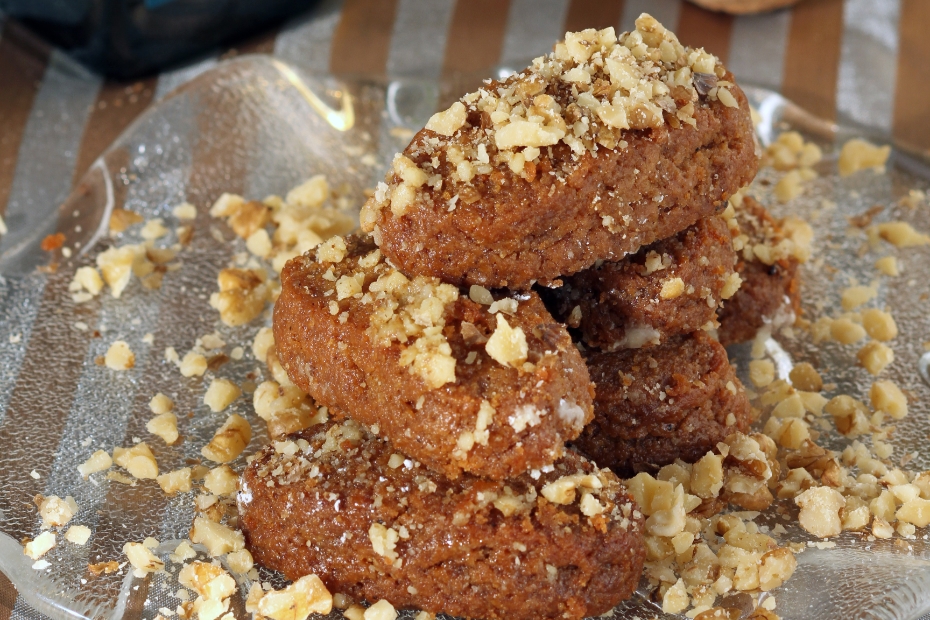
[(865, 62)]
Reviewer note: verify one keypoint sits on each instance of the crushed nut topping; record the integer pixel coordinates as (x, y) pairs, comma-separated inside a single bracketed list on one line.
[(592, 88)]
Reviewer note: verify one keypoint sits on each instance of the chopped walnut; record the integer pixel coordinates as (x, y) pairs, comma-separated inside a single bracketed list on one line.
[(707, 477), (193, 364), (178, 481), (858, 154), (88, 279), (56, 512), (507, 345), (820, 511), (888, 265), (312, 193), (263, 341), (229, 440), (888, 397), (805, 377), (879, 324), (137, 460), (875, 357), (98, 461), (121, 219), (675, 599), (898, 234), (221, 480), (221, 394), (242, 295), (383, 541), (845, 331), (915, 511), (449, 121), (160, 404), (249, 218), (761, 372), (185, 211), (40, 545), (305, 596), (142, 559), (153, 229), (672, 288), (119, 356), (216, 537), (78, 534), (849, 415), (382, 610), (116, 266), (854, 296), (164, 425)]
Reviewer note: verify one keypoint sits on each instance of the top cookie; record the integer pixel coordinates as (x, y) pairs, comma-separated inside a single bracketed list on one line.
[(596, 149)]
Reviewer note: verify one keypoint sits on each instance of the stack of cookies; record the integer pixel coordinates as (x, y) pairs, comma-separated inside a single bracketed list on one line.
[(533, 302)]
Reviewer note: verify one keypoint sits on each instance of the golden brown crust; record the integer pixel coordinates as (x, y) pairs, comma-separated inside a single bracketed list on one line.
[(767, 289), (664, 181), (529, 408), (445, 546), (668, 288), (607, 144), (652, 406)]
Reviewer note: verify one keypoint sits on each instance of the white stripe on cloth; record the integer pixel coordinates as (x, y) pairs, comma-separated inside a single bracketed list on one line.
[(418, 40), (868, 62), (758, 46), (533, 27), (666, 11)]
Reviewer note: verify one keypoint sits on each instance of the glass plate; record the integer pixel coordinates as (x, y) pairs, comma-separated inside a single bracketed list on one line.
[(256, 126)]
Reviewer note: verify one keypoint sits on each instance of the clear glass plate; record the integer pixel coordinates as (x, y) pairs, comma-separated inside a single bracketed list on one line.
[(256, 126)]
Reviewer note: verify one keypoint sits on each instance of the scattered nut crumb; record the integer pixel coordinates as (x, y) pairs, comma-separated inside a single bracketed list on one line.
[(142, 559), (40, 545), (221, 394), (119, 356), (229, 440), (137, 460), (78, 534), (98, 461), (858, 154)]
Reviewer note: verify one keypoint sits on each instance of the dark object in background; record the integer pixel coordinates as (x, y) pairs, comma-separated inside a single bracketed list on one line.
[(128, 38)]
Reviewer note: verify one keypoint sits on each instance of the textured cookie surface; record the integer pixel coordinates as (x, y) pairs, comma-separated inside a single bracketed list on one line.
[(494, 387), (343, 504), (768, 265), (655, 405), (605, 145), (668, 288)]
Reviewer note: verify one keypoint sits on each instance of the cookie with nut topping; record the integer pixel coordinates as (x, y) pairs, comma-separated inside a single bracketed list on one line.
[(343, 504), (671, 287), (485, 383), (655, 405), (597, 149), (770, 253)]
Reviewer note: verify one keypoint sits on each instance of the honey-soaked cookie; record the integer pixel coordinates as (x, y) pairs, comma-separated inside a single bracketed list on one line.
[(671, 287), (483, 383), (341, 503), (597, 149), (652, 406), (769, 254)]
